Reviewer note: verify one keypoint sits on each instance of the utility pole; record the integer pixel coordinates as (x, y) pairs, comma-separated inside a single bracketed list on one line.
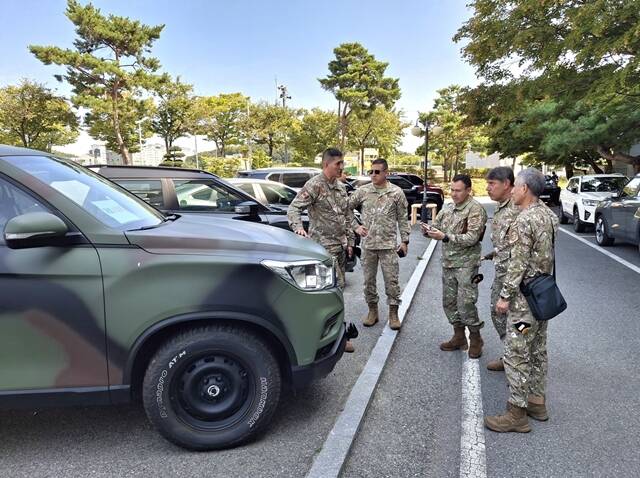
[(284, 95)]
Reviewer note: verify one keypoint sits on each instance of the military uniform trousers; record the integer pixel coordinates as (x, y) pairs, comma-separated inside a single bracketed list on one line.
[(525, 358), (499, 320), (388, 260), (459, 297), (339, 254)]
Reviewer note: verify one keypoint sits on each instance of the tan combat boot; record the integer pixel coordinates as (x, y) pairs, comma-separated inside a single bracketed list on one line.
[(372, 316), (537, 409), (514, 420), (475, 344), (348, 347), (458, 341), (496, 365), (394, 320)]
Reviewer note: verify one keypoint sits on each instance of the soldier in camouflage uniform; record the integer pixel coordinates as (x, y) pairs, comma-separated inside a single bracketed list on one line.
[(384, 211), (499, 185), (460, 226), (530, 239), (330, 218)]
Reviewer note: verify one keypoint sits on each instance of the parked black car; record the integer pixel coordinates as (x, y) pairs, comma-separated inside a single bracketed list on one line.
[(412, 192), (435, 194), (192, 191), (551, 193), (618, 217)]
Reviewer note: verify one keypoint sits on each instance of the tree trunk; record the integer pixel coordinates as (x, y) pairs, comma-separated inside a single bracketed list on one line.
[(124, 151), (609, 167), (596, 168), (362, 160), (270, 144), (568, 169)]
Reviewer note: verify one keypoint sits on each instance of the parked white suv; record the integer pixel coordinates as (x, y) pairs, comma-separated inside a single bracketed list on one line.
[(583, 193)]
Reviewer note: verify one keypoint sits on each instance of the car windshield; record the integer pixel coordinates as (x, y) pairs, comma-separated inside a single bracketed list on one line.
[(105, 201), (603, 185)]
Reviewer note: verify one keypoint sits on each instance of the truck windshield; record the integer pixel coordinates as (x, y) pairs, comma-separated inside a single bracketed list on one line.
[(105, 201)]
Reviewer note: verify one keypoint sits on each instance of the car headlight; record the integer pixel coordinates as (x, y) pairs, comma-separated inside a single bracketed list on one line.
[(590, 202), (305, 275)]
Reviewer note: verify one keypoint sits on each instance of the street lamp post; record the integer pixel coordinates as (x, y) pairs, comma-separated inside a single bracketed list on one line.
[(139, 123), (417, 131)]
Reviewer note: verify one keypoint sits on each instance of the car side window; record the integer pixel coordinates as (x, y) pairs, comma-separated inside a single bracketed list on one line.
[(150, 190), (278, 194), (573, 185), (247, 188), (14, 202), (295, 180), (632, 188), (205, 195)]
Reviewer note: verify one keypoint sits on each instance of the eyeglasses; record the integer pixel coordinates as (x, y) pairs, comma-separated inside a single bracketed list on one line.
[(375, 171)]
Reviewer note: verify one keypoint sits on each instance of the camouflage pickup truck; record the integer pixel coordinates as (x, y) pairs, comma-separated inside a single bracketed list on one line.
[(105, 300)]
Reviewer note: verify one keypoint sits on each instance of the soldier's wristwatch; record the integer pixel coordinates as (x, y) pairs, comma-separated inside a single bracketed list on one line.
[(405, 242), (445, 238)]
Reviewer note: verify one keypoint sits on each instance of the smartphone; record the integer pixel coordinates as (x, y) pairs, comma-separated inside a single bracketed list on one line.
[(400, 252)]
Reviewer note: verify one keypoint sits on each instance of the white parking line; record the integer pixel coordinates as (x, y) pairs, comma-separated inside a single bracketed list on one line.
[(473, 461), (628, 264), (329, 462)]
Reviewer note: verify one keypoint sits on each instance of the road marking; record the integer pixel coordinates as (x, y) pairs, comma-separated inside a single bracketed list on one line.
[(473, 461), (603, 251), (331, 458)]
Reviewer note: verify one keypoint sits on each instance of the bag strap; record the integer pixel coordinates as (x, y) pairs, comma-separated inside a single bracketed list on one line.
[(553, 244)]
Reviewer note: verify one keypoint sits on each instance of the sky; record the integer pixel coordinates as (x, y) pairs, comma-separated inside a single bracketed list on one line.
[(244, 46)]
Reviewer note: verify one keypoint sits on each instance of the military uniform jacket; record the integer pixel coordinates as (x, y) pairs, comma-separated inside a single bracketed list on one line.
[(464, 224), (383, 213), (328, 207), (530, 240), (503, 218)]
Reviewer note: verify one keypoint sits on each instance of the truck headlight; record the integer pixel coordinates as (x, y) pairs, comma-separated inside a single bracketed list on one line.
[(305, 275), (590, 202)]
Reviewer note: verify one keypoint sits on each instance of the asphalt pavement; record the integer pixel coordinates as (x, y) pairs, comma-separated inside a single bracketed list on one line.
[(413, 426)]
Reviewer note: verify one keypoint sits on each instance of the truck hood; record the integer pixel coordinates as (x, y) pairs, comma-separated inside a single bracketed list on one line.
[(207, 235)]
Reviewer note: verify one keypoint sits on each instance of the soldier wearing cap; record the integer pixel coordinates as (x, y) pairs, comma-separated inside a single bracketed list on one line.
[(384, 212), (330, 218)]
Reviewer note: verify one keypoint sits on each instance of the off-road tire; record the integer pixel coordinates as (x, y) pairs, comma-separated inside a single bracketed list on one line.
[(212, 387)]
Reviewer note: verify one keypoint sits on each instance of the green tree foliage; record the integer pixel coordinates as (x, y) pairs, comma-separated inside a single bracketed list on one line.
[(380, 129), (260, 159), (222, 118), (270, 125), (357, 81), (130, 109), (174, 157), (223, 167), (451, 135), (173, 116), (33, 117), (107, 69), (315, 132), (562, 79)]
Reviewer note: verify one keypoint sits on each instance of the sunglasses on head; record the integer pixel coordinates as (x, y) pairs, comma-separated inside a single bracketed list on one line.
[(375, 171)]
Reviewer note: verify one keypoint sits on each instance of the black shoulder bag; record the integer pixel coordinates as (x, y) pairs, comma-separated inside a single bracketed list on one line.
[(543, 296)]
